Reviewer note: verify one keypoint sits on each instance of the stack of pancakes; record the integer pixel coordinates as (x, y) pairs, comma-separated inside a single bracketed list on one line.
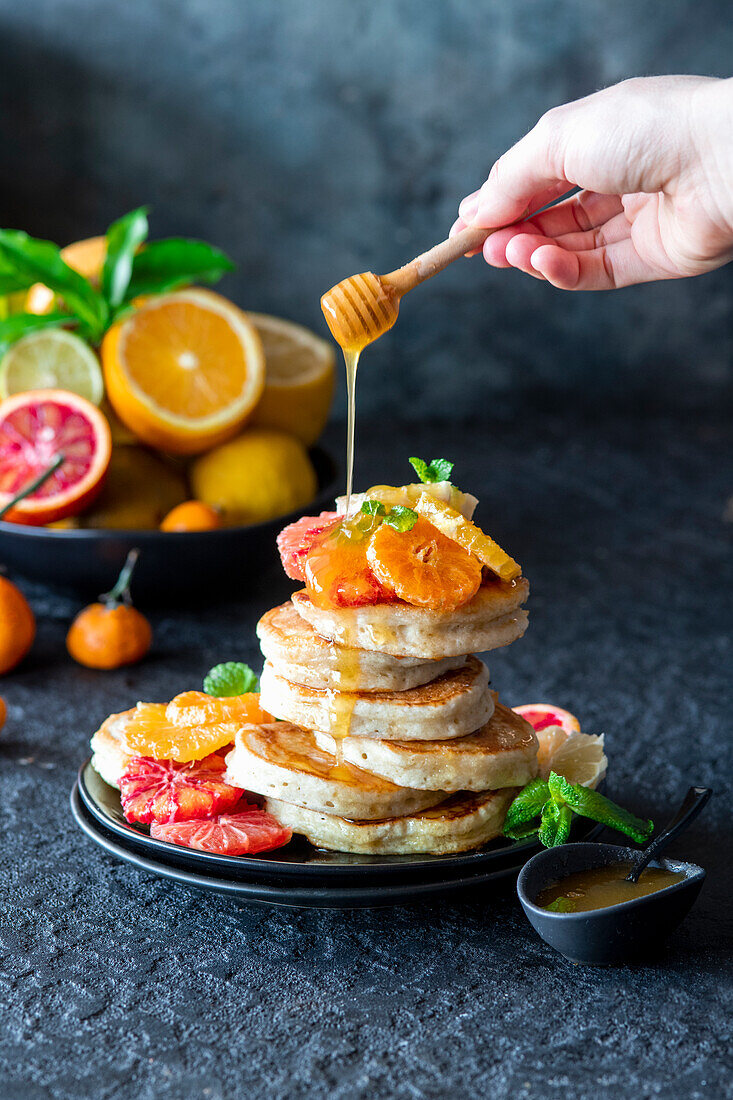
[(389, 740)]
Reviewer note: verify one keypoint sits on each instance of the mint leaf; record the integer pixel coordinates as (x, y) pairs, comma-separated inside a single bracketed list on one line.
[(589, 803), (438, 469), (401, 518), (374, 508), (555, 825), (20, 324), (525, 808), (560, 905), (175, 262), (40, 261), (230, 678), (124, 237)]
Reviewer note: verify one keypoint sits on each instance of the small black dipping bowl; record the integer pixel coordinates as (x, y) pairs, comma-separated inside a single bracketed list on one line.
[(617, 933)]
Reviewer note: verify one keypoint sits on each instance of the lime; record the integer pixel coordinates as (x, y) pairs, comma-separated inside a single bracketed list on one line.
[(51, 359)]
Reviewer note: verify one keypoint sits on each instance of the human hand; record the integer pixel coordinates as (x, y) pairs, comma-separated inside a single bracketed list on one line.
[(654, 157)]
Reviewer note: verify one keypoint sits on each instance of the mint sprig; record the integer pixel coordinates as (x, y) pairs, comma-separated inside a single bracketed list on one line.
[(374, 508), (397, 516), (230, 678), (555, 801), (438, 469), (131, 269)]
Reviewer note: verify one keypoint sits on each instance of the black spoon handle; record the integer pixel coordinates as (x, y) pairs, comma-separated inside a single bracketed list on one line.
[(693, 803)]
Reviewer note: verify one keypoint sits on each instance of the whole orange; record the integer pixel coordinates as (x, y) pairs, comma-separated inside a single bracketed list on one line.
[(192, 515), (109, 637), (17, 626)]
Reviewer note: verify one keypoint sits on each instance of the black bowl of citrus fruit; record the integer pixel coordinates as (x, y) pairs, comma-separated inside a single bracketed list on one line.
[(141, 411)]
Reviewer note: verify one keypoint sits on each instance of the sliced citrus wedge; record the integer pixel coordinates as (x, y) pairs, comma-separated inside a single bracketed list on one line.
[(161, 791), (52, 359), (300, 376), (184, 371), (245, 832), (542, 715), (423, 567), (35, 428), (579, 758), (196, 708), (463, 531), (150, 733)]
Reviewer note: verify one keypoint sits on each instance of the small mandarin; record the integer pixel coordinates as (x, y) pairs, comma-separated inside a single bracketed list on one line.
[(192, 515), (111, 633), (17, 626), (424, 567)]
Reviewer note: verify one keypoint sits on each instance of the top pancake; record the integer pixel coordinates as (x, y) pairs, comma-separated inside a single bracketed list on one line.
[(493, 618), (302, 656)]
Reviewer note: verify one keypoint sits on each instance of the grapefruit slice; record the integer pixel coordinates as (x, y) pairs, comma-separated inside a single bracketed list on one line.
[(52, 359), (196, 708), (337, 573), (423, 567), (542, 715), (36, 427), (184, 371), (150, 733), (455, 526), (163, 791), (296, 541), (246, 832)]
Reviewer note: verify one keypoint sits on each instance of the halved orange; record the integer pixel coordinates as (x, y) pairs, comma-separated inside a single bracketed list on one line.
[(185, 371), (150, 733), (196, 708), (86, 257), (423, 567)]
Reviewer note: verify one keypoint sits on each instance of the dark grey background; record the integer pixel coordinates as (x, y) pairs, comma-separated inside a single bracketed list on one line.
[(315, 138)]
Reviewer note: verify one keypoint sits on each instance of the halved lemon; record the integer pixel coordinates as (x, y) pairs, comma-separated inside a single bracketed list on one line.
[(300, 373), (463, 531), (52, 359), (579, 758), (185, 371)]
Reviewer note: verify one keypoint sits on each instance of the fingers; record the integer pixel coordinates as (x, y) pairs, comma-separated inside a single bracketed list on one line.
[(582, 212), (606, 268)]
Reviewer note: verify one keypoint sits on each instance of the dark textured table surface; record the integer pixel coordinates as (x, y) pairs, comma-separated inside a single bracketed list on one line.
[(116, 984)]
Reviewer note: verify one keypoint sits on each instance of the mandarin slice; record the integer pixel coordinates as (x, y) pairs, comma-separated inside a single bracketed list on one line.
[(163, 791), (423, 567), (463, 531), (338, 574), (196, 708), (150, 733)]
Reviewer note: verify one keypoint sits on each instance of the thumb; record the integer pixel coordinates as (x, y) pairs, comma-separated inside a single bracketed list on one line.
[(525, 178)]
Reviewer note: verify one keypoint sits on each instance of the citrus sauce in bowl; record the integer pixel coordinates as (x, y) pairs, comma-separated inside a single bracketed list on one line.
[(601, 887)]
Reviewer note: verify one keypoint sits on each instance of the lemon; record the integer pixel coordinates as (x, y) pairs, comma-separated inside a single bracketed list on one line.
[(51, 359), (300, 373), (257, 476), (455, 526), (578, 757)]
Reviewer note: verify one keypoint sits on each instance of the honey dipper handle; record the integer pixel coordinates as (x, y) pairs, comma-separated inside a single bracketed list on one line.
[(435, 259)]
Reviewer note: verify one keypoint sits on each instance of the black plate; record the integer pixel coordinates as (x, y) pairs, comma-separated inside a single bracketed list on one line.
[(173, 564), (300, 864), (315, 895)]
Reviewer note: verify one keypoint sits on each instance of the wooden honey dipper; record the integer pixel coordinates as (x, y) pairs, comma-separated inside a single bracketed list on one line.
[(362, 307)]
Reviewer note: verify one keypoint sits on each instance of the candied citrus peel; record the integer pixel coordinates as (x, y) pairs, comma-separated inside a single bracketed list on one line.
[(463, 531), (150, 733)]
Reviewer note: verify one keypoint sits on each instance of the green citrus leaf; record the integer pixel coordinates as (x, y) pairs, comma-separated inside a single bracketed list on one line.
[(175, 262), (124, 237), (20, 324), (230, 678)]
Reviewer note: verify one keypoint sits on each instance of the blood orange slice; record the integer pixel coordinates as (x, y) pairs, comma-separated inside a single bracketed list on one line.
[(542, 715), (296, 541), (36, 427), (246, 832), (338, 574), (163, 791), (196, 708)]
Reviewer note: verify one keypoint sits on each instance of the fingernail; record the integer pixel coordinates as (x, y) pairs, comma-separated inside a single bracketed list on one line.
[(469, 206)]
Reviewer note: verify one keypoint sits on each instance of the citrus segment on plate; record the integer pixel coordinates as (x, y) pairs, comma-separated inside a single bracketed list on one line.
[(299, 378), (184, 371), (463, 531), (246, 832), (51, 359), (35, 428), (579, 758), (150, 733), (196, 708), (86, 257), (338, 574), (423, 567), (163, 791), (542, 715)]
